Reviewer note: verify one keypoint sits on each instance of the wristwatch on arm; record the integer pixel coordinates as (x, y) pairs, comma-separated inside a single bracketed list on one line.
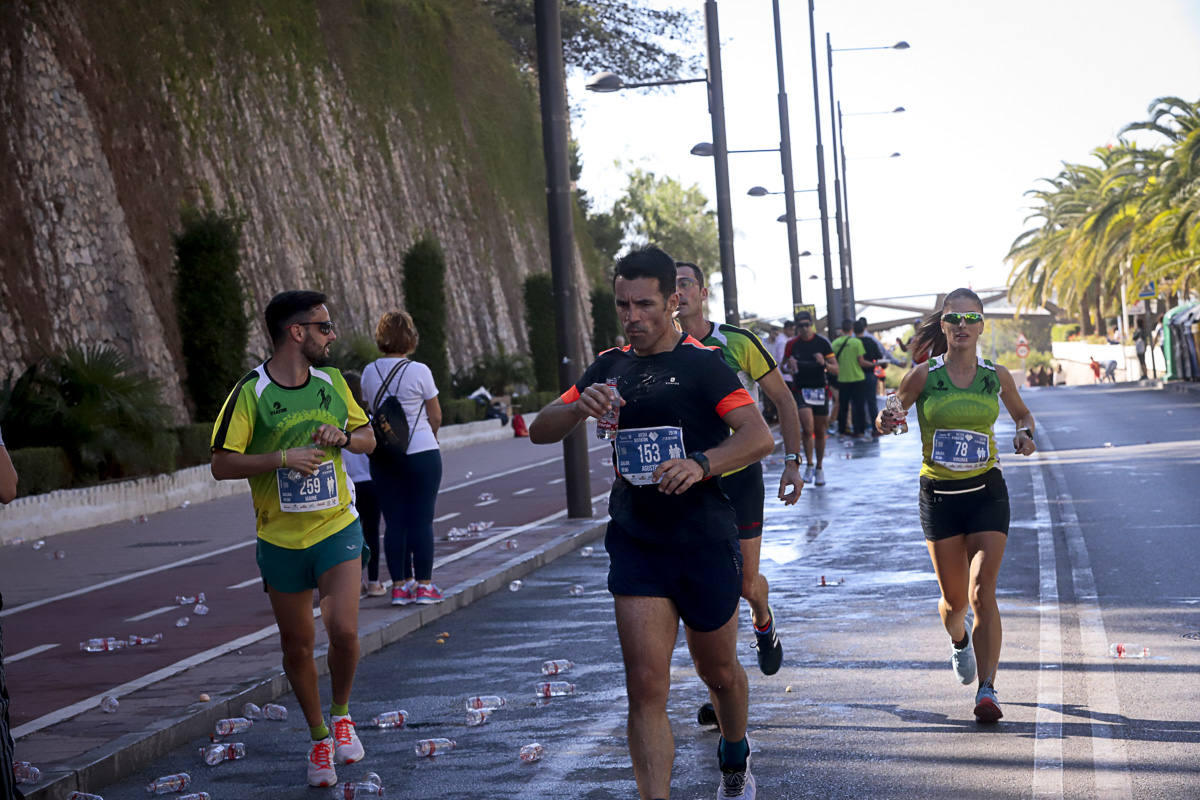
[(702, 460), (793, 458)]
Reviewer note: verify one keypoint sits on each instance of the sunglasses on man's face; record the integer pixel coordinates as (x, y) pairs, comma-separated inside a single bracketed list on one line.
[(686, 283), (969, 317), (325, 328)]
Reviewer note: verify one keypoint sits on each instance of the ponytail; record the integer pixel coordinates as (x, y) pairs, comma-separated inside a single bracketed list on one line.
[(929, 340)]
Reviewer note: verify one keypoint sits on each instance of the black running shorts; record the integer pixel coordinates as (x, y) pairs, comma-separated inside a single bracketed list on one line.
[(703, 580), (746, 494), (971, 505)]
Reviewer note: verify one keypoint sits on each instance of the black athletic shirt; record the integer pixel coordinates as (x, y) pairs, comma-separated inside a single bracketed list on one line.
[(689, 387), (809, 374)]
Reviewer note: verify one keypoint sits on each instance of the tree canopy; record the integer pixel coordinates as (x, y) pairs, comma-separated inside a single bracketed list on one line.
[(621, 36), (661, 211)]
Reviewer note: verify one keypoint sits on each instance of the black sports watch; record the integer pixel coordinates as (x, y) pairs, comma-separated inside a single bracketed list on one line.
[(345, 433), (700, 459)]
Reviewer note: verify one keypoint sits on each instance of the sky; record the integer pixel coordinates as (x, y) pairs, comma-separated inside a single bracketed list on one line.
[(997, 96)]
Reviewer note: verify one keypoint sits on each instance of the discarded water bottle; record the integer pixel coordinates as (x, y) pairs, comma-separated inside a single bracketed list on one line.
[(135, 640), (214, 754), (275, 712), (200, 610), (182, 622), (232, 725), (105, 645), (390, 719), (489, 701), (586, 551), (24, 772), (576, 590), (532, 752), (557, 666), (251, 711), (169, 783), (1122, 650), (373, 777), (350, 791), (109, 704), (195, 796), (190, 599), (59, 555), (83, 796), (486, 496), (478, 716), (39, 544), (434, 747), (456, 534), (896, 408), (606, 425), (554, 689), (509, 544), (481, 526), (515, 586)]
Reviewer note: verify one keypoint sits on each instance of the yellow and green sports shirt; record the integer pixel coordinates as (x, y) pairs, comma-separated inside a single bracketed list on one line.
[(261, 416), (957, 438)]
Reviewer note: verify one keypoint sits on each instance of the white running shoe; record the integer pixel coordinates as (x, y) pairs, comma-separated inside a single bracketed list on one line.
[(737, 784), (808, 474), (819, 477), (320, 764), (349, 748), (987, 706), (963, 661)]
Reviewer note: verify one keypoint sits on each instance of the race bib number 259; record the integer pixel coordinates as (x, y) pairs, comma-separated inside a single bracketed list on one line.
[(300, 492)]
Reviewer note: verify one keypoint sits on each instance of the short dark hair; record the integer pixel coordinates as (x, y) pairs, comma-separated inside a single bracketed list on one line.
[(285, 307), (860, 325), (699, 272), (648, 262), (803, 315), (845, 324)]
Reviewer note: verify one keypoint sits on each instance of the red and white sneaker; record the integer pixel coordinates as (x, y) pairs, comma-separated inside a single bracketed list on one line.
[(348, 748), (428, 594), (403, 594), (320, 764)]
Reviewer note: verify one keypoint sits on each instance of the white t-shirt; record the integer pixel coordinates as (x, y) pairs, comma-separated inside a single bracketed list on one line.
[(358, 466), (778, 346), (412, 385)]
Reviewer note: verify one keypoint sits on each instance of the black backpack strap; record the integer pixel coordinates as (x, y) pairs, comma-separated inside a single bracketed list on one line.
[(404, 362)]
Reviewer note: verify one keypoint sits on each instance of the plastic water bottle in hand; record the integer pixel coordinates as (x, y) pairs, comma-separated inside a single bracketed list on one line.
[(896, 409), (606, 425)]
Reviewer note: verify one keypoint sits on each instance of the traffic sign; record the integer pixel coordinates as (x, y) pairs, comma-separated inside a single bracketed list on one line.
[(1022, 350), (1150, 290)]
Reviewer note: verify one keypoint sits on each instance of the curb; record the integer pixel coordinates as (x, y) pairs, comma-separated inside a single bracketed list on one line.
[(112, 761)]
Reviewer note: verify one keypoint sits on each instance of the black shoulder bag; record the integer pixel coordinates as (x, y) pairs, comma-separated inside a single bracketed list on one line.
[(390, 422)]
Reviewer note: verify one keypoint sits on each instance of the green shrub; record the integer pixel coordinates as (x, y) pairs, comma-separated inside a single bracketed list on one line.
[(353, 351), (1063, 333), (89, 402), (499, 373), (533, 402), (160, 455), (1036, 358), (210, 307), (539, 324), (606, 327), (460, 410), (41, 469), (194, 444), (425, 300)]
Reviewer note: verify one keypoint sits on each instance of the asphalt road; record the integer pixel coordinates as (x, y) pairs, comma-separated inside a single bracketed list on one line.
[(1103, 548)]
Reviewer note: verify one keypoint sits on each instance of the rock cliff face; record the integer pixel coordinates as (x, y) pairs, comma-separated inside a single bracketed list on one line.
[(340, 138)]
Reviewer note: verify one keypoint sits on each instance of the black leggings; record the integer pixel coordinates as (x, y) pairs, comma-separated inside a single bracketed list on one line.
[(407, 496), (8, 784), (368, 514)]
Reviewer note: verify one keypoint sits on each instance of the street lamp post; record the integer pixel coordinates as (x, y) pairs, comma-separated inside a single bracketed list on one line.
[(608, 82), (785, 164), (552, 87), (812, 37)]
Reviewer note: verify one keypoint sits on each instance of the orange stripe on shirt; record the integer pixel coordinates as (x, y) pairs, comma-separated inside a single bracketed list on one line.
[(571, 395), (735, 399)]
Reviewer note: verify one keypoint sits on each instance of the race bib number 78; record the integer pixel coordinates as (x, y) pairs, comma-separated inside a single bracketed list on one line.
[(961, 451)]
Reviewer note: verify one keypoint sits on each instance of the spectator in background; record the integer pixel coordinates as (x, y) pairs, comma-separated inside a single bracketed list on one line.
[(1139, 344), (1060, 376), (1110, 372), (407, 490), (865, 394), (1095, 365), (8, 786), (358, 468)]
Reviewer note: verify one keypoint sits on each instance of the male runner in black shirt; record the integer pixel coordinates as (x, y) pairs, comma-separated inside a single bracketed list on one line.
[(673, 535), (808, 357)]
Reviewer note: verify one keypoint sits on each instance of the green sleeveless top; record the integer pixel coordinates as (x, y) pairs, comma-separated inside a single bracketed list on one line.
[(957, 440)]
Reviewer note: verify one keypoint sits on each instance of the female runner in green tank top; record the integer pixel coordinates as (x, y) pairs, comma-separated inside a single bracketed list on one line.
[(963, 498)]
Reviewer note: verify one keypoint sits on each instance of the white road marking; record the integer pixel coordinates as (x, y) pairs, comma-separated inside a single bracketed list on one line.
[(556, 480), (522, 491), (1048, 740), (514, 470), (154, 613), (244, 584), (445, 517), (1109, 757), (483, 503), (33, 651), (126, 578)]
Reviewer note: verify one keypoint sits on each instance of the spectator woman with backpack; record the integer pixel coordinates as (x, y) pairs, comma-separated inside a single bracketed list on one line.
[(407, 466)]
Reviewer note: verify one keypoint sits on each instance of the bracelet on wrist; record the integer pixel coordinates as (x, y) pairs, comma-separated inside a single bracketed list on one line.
[(283, 459)]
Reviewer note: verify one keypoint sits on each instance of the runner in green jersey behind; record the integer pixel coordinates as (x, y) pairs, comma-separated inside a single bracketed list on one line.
[(283, 428), (963, 500)]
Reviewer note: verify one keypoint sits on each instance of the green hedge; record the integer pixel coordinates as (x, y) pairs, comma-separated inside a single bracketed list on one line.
[(539, 324), (533, 402), (460, 410), (194, 443), (41, 469)]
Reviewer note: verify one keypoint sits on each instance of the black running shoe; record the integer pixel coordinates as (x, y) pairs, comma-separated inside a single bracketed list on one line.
[(707, 716), (770, 651)]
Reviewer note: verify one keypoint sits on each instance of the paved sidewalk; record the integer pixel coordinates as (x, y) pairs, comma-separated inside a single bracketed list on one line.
[(95, 749)]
